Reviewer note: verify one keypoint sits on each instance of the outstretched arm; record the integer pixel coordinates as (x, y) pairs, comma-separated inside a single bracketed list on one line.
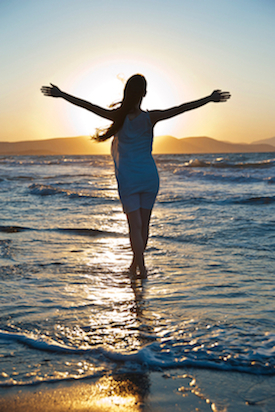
[(54, 91), (216, 96)]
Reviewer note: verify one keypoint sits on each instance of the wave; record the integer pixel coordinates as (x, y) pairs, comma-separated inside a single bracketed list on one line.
[(159, 355), (270, 180), (41, 343), (221, 163), (15, 178), (78, 231), (168, 198), (256, 200), (226, 169), (89, 232), (213, 176), (48, 190), (251, 200), (193, 200), (199, 239), (13, 229), (204, 161), (93, 160)]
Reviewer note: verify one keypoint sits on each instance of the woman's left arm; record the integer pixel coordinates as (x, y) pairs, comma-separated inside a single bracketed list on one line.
[(217, 96)]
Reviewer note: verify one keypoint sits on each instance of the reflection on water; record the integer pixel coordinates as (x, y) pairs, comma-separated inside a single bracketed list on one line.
[(117, 393), (112, 253), (123, 393), (138, 290), (209, 297)]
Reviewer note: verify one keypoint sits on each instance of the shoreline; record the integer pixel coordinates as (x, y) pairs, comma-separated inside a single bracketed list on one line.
[(175, 390)]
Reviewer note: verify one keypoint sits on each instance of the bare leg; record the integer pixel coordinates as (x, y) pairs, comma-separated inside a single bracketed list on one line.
[(145, 219), (137, 243), (139, 221)]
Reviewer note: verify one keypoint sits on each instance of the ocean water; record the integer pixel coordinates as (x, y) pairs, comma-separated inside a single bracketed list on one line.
[(68, 307)]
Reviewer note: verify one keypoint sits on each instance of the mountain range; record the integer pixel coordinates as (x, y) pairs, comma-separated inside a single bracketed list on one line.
[(83, 145)]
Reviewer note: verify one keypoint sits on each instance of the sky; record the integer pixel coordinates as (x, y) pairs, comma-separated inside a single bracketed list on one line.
[(185, 49)]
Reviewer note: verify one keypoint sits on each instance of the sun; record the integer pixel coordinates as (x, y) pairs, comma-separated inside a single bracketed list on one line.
[(102, 84)]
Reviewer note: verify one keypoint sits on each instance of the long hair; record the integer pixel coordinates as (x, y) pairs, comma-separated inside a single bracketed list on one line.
[(134, 91)]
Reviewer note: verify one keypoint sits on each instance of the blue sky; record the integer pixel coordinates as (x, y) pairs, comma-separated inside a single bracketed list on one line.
[(184, 48)]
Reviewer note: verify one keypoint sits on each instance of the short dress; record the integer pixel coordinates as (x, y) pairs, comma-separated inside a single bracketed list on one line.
[(135, 169)]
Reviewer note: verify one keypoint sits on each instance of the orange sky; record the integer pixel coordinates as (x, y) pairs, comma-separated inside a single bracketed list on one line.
[(185, 50)]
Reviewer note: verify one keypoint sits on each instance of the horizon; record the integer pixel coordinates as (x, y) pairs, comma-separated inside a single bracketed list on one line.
[(155, 137), (82, 145), (200, 51)]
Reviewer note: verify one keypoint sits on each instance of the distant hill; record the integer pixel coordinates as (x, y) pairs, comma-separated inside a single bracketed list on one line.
[(59, 146), (271, 141), (162, 144), (169, 144)]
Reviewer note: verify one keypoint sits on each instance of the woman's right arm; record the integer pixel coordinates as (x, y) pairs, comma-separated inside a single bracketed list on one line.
[(54, 91)]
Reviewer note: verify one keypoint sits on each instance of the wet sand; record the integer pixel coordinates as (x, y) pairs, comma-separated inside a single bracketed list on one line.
[(176, 390)]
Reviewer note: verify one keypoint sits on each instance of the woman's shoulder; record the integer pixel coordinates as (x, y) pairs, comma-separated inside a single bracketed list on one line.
[(145, 118), (137, 115), (146, 114)]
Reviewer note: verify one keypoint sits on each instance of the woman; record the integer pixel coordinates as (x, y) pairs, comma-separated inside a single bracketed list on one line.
[(135, 169)]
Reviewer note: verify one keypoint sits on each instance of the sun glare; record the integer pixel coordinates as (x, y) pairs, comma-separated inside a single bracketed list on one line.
[(103, 84)]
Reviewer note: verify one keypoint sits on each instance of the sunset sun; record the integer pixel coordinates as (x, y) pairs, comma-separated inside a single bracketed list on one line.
[(103, 84)]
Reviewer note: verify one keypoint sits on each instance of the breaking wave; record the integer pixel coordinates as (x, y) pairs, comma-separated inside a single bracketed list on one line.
[(216, 351)]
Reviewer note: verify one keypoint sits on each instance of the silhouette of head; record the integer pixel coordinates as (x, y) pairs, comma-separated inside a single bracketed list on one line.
[(134, 90)]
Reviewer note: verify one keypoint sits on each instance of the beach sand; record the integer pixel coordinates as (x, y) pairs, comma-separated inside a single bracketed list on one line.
[(191, 390)]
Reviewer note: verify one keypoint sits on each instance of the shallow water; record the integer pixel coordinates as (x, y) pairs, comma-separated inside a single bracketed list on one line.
[(68, 308)]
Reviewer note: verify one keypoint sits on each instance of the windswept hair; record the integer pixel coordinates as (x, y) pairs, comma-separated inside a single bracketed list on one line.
[(134, 91)]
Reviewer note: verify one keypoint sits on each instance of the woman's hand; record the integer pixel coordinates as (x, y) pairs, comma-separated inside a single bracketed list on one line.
[(52, 90), (219, 96)]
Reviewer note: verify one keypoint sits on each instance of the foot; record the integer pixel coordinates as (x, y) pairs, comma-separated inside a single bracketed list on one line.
[(143, 273), (132, 272)]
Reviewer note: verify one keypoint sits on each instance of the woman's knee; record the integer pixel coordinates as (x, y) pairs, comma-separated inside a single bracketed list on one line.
[(145, 216), (135, 220)]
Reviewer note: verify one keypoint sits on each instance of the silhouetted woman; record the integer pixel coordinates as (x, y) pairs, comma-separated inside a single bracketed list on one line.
[(135, 169)]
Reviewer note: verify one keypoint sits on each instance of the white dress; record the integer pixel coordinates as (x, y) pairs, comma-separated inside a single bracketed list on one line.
[(135, 168)]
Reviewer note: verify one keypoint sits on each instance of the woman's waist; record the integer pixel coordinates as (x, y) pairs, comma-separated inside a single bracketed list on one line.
[(143, 182), (135, 165), (135, 156)]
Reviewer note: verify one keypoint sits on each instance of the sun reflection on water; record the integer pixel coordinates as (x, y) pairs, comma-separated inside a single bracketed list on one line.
[(113, 395), (121, 393), (108, 394), (112, 253), (108, 306)]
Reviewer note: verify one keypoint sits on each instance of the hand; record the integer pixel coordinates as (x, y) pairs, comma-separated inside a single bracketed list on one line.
[(219, 96), (52, 90)]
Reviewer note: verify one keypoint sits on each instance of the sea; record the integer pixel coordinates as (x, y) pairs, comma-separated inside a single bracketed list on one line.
[(68, 309)]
